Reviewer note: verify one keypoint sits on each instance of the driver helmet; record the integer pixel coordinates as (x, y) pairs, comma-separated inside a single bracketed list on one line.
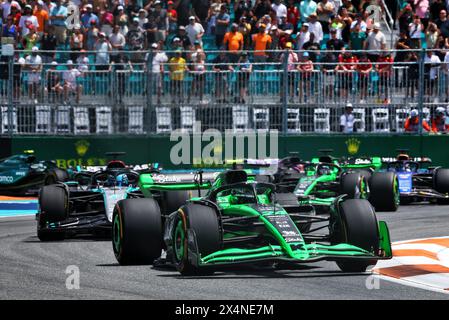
[(122, 179)]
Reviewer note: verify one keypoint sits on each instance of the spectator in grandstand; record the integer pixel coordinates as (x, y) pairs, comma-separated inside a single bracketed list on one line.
[(143, 18), (439, 124), (359, 22), (172, 17), (102, 57), (435, 9), (92, 36), (262, 8), (161, 19), (177, 66), (306, 8), (222, 22), (261, 43), (375, 42), (117, 41), (221, 68), (183, 38), (241, 8), (88, 17), (69, 84), (338, 24), (245, 69), (31, 39), (132, 9), (212, 14), (19, 65), (357, 39), (122, 20), (233, 41), (443, 23), (198, 69), (292, 14), (48, 45), (107, 22), (305, 68), (432, 64), (384, 69), (150, 28), (413, 73), (135, 40), (405, 18), (285, 30), (33, 65), (245, 30), (334, 43), (53, 78), (315, 28), (402, 43), (328, 66), (422, 10), (292, 65), (159, 59), (312, 48), (194, 30), (432, 34), (412, 123), (345, 73), (279, 8), (415, 29), (123, 68), (347, 120), (9, 29), (76, 42), (346, 20), (6, 7), (325, 11), (58, 16), (364, 68), (83, 61), (26, 20), (303, 36), (42, 16)]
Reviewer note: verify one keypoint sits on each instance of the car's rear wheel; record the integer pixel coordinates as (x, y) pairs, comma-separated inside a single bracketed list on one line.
[(359, 228), (54, 207), (137, 231), (384, 191), (203, 221), (354, 185), (56, 175), (173, 200), (441, 180)]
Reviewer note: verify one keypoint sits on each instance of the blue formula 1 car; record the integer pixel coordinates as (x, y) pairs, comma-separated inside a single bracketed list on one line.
[(24, 175), (418, 179)]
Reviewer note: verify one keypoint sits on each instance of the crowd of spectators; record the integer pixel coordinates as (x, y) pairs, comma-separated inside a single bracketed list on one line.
[(333, 32)]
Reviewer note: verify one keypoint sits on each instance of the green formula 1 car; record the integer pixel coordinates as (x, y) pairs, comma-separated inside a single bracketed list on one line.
[(320, 181), (241, 221)]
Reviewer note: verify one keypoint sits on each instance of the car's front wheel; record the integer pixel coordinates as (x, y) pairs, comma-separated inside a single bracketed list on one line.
[(53, 207)]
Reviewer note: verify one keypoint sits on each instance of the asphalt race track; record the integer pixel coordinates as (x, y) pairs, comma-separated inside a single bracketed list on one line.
[(30, 269)]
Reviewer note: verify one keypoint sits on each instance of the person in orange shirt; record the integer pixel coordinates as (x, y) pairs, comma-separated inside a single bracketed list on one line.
[(412, 122), (233, 41), (439, 124), (42, 16), (262, 42)]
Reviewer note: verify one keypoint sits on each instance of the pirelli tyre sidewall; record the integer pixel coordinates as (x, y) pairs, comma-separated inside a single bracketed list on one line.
[(354, 185), (203, 221), (358, 227), (54, 207), (441, 180), (384, 191), (137, 231)]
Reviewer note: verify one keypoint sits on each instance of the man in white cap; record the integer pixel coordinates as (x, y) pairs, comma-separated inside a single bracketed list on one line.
[(412, 123), (157, 69), (347, 120), (439, 124), (88, 17), (375, 42), (33, 64), (26, 20), (6, 7), (195, 30), (69, 78), (42, 17)]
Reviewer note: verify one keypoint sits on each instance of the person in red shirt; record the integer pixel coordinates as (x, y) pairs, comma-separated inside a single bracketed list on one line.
[(364, 68), (15, 14), (345, 69), (412, 123), (305, 68), (384, 68), (439, 121), (172, 17)]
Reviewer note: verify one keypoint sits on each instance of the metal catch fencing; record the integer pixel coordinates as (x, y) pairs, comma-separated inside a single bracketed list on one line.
[(291, 94)]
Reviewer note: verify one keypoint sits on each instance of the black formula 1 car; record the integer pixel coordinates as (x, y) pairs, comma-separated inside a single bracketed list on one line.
[(24, 175)]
